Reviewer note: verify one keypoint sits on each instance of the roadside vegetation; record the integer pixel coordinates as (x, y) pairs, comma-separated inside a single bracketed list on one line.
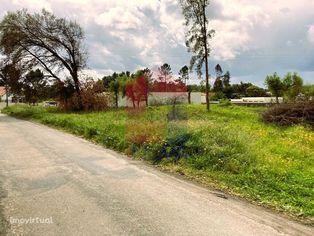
[(230, 148)]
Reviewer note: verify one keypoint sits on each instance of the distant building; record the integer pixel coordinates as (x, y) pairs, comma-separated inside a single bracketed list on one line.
[(3, 95), (256, 100), (163, 98)]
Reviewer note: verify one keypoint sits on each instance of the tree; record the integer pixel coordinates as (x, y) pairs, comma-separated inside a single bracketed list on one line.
[(108, 79), (140, 89), (10, 73), (218, 71), (129, 91), (64, 91), (308, 91), (222, 83), (198, 36), (184, 74), (4, 80), (114, 87), (164, 73), (146, 81), (226, 79), (164, 76), (292, 85), (34, 86), (116, 83), (42, 39), (255, 91), (239, 90), (218, 85), (274, 85)]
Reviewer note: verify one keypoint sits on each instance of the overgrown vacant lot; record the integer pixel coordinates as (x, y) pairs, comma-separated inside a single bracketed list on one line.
[(229, 148)]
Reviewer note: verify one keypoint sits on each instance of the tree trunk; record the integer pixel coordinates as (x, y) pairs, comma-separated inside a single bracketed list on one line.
[(189, 97), (116, 100), (6, 95), (78, 89), (206, 59)]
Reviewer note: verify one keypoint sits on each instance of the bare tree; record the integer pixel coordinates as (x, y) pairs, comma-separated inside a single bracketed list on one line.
[(42, 39), (197, 37)]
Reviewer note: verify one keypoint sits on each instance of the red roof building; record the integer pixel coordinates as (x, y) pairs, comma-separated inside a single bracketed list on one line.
[(2, 91)]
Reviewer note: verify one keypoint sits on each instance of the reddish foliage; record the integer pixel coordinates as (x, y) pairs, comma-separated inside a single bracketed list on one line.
[(137, 90), (169, 87)]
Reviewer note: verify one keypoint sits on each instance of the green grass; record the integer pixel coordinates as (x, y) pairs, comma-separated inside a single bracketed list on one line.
[(229, 148)]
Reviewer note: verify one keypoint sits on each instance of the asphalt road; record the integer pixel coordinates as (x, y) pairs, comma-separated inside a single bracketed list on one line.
[(2, 105), (84, 189)]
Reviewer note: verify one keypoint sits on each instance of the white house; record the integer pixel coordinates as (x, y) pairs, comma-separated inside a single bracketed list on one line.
[(158, 98)]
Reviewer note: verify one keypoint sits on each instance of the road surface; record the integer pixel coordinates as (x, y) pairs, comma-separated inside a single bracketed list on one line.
[(2, 105), (79, 188)]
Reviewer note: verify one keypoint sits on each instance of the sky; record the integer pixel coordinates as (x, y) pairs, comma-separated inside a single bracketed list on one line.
[(253, 38)]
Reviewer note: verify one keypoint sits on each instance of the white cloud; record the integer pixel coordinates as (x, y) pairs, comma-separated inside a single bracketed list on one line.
[(234, 27), (311, 34), (33, 4), (127, 34), (121, 18), (88, 73)]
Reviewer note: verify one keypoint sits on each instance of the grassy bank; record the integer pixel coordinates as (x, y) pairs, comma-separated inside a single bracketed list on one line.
[(229, 148)]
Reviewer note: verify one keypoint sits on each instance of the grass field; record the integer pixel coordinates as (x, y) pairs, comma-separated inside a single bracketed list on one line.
[(229, 148)]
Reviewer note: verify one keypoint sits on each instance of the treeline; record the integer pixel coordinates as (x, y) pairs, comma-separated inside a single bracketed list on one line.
[(291, 87), (43, 58)]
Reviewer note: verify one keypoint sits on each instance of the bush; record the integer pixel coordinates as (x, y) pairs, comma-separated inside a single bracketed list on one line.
[(91, 99), (174, 148), (291, 114), (225, 102)]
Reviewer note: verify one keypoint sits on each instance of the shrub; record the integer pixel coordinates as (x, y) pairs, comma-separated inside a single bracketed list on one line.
[(140, 132), (225, 102), (174, 147), (92, 99), (291, 114)]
